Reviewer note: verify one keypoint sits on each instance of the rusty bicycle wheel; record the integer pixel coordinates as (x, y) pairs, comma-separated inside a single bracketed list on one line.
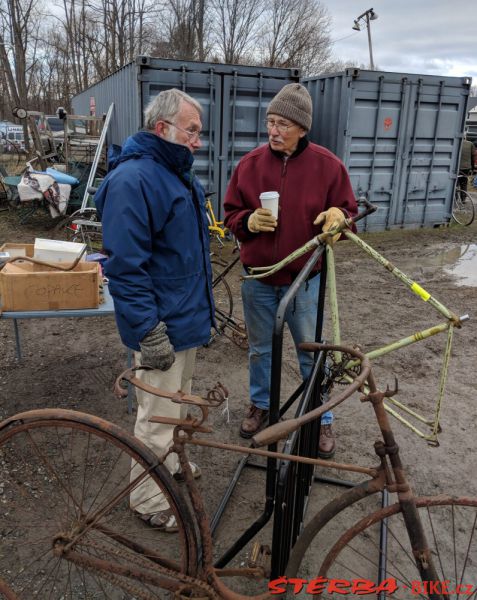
[(355, 559), (67, 530)]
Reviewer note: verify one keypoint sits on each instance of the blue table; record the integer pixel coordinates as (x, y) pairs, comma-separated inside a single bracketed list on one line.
[(106, 308)]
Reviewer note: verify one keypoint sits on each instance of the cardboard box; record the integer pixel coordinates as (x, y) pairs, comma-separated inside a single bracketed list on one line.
[(18, 249), (27, 286)]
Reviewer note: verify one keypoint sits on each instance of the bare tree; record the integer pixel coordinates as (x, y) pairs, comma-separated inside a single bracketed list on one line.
[(295, 33), (337, 65), (112, 32), (19, 24), (53, 79), (186, 34), (86, 40), (72, 41), (236, 24)]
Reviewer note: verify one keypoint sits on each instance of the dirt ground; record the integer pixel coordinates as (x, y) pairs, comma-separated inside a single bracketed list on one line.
[(72, 363)]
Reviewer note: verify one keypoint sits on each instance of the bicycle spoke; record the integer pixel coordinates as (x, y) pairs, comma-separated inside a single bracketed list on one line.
[(67, 487), (463, 210), (469, 545), (450, 528)]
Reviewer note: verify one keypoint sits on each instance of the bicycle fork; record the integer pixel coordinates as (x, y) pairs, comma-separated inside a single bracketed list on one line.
[(388, 450)]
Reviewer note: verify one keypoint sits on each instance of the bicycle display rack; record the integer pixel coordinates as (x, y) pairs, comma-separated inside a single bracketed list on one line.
[(288, 484)]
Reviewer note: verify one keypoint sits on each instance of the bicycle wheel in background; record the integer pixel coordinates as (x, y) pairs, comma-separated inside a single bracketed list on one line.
[(450, 526), (463, 210), (223, 298), (65, 484), (93, 238), (65, 223)]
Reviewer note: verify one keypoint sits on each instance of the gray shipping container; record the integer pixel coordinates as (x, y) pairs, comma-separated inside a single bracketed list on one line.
[(233, 97), (399, 136)]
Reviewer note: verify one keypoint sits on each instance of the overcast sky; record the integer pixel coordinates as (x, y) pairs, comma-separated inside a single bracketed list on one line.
[(433, 37)]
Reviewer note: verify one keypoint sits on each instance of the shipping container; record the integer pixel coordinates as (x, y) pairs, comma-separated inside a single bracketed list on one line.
[(399, 136), (234, 99), (471, 125)]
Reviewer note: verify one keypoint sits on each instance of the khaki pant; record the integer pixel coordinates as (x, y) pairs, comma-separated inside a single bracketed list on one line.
[(147, 498)]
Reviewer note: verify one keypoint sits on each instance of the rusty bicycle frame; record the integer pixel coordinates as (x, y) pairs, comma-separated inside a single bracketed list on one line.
[(387, 475)]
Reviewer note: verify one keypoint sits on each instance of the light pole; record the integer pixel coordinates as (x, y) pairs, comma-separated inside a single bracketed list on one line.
[(367, 16)]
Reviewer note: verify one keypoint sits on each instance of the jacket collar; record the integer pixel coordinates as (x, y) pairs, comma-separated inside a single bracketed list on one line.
[(175, 157), (302, 145)]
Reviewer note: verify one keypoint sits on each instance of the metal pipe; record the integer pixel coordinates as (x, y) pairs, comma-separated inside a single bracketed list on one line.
[(97, 156), (371, 61)]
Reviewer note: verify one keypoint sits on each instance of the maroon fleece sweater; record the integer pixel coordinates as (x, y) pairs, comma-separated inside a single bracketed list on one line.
[(310, 181)]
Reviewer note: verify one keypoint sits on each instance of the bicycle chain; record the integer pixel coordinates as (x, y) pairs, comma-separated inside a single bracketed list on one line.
[(130, 587), (339, 369)]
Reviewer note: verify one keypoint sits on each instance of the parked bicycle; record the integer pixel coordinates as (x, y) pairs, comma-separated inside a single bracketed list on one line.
[(463, 209), (68, 531)]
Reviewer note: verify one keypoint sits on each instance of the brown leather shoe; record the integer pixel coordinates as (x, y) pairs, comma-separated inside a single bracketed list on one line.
[(326, 448), (253, 422)]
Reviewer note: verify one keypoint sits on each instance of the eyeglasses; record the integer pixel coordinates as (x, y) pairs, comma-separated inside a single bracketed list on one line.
[(279, 125), (193, 135)]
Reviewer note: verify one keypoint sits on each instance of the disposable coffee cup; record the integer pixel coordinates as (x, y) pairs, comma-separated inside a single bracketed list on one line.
[(270, 200)]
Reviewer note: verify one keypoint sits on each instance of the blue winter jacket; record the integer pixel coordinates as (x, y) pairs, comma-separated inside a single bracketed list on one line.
[(155, 234)]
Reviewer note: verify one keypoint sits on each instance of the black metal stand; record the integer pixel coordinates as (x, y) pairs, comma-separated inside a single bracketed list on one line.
[(288, 484)]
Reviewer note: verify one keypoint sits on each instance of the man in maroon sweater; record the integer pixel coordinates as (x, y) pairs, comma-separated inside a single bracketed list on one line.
[(315, 195)]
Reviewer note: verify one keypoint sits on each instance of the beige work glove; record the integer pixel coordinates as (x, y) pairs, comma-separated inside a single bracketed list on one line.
[(333, 217), (261, 220)]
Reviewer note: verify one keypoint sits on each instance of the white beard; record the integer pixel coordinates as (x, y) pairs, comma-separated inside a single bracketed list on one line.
[(171, 135)]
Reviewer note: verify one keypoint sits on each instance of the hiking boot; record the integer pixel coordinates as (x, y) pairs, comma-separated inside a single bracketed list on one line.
[(256, 417), (196, 473), (326, 447)]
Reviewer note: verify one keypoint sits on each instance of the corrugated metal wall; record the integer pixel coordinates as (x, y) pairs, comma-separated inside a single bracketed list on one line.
[(399, 135), (233, 97), (122, 89)]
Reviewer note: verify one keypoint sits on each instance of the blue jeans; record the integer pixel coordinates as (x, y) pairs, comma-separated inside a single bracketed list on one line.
[(260, 303)]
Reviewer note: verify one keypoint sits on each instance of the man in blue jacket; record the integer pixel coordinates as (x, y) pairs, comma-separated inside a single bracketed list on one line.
[(156, 236)]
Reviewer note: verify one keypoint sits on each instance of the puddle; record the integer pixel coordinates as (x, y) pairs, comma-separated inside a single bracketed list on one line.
[(464, 266), (460, 261)]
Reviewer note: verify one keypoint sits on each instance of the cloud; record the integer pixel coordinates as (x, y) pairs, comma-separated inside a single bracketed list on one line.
[(409, 36)]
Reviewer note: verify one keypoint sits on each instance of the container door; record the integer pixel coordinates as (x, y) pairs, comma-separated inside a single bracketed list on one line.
[(204, 87), (373, 141), (431, 153), (402, 138), (245, 100)]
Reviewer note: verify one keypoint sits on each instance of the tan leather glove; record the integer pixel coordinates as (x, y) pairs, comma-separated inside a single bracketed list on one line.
[(333, 217), (261, 220)]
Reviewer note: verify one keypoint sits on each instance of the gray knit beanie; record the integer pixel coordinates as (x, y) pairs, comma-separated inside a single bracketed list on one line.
[(293, 102)]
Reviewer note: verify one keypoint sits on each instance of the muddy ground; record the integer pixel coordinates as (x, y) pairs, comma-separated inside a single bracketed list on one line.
[(71, 363)]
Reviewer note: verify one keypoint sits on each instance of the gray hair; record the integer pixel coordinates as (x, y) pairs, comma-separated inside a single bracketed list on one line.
[(165, 106)]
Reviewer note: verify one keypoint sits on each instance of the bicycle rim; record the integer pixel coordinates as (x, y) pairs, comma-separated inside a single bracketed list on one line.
[(463, 210), (224, 304), (450, 527), (66, 480)]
